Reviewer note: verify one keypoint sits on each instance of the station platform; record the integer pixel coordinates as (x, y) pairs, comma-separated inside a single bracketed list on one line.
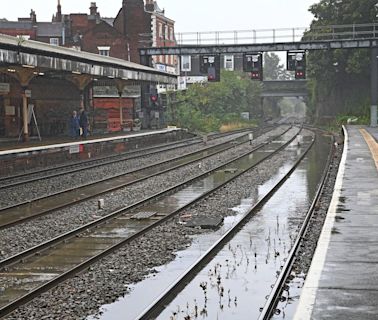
[(12, 146), (343, 279)]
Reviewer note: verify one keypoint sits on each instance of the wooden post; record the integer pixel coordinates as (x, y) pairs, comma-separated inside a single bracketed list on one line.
[(25, 115), (120, 110)]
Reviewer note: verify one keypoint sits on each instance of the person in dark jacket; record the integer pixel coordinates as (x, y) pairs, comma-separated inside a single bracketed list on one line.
[(74, 125), (84, 123)]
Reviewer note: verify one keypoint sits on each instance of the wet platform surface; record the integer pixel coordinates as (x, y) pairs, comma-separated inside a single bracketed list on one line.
[(10, 146), (343, 279)]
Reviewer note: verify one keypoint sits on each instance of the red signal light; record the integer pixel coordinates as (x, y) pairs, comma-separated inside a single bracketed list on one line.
[(154, 98)]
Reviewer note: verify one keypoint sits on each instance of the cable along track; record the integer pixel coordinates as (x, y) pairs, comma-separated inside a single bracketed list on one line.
[(37, 270)]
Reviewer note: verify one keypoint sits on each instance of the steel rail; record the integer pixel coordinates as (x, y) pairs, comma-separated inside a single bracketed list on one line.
[(269, 308), (29, 252), (105, 189), (152, 311), (90, 261), (90, 163), (102, 161)]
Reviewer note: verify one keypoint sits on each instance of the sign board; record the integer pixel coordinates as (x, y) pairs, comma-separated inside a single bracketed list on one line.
[(28, 93), (161, 67), (75, 149), (181, 83), (186, 63), (4, 87), (132, 91), (171, 70), (244, 115), (10, 110)]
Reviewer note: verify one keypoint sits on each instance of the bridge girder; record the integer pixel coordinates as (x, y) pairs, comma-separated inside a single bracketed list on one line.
[(247, 48)]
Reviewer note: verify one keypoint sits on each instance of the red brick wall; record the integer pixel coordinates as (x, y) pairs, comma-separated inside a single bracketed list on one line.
[(103, 34), (132, 21), (16, 32)]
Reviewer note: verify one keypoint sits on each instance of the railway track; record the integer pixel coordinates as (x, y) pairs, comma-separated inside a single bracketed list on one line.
[(156, 307), (44, 264), (22, 212), (269, 309), (56, 171)]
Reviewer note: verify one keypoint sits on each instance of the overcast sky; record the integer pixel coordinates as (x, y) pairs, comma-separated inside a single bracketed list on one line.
[(190, 15)]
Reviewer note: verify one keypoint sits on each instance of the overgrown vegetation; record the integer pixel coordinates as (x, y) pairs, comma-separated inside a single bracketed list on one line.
[(340, 79), (206, 107)]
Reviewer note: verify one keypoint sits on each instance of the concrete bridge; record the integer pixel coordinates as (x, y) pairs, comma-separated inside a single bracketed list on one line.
[(284, 88)]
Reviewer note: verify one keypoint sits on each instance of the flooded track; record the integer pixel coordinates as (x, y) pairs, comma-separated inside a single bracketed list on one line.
[(112, 234), (21, 212), (236, 282)]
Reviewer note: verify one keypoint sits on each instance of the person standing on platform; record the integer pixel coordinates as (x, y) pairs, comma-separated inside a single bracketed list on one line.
[(84, 123), (74, 125)]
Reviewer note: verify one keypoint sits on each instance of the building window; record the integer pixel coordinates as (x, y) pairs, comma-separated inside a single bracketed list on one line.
[(166, 35), (186, 63), (172, 34), (54, 41), (229, 63), (160, 30), (104, 51)]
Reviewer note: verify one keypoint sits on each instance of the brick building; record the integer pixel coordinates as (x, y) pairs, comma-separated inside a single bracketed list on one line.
[(135, 24), (163, 35), (113, 106), (30, 29)]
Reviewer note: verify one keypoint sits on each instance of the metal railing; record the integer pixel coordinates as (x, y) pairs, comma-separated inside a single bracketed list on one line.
[(322, 33)]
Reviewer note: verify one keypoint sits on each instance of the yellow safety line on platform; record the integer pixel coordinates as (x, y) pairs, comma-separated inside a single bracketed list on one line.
[(373, 145)]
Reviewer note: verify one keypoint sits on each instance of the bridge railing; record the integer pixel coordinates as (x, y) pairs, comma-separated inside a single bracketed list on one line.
[(234, 37)]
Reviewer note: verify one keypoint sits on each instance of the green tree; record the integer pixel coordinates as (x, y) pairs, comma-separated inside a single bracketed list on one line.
[(206, 106), (340, 79), (273, 70)]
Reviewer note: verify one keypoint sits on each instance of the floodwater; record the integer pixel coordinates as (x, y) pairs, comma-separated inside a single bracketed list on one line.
[(236, 281)]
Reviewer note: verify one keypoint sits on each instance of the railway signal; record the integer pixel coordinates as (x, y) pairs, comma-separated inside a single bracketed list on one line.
[(210, 66), (253, 63), (296, 61)]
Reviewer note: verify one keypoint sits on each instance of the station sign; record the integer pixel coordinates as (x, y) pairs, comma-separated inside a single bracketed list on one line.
[(4, 88)]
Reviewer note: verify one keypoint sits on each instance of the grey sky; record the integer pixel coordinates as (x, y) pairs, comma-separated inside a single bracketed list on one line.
[(190, 15)]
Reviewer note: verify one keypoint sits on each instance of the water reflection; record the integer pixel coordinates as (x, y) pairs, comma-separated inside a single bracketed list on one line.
[(235, 283)]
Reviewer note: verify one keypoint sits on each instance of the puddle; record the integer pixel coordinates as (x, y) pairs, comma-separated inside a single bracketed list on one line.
[(235, 283)]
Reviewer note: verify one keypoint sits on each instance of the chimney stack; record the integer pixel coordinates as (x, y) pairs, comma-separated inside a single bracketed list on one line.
[(33, 16), (150, 6), (58, 17), (93, 9)]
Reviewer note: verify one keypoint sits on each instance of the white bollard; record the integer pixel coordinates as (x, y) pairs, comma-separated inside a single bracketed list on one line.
[(101, 203), (250, 137)]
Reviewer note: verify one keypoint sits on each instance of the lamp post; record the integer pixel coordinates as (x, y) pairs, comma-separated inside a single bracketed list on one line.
[(374, 87), (374, 82)]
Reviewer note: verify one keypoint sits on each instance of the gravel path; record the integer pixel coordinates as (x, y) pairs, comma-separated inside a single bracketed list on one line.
[(21, 237), (109, 279)]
